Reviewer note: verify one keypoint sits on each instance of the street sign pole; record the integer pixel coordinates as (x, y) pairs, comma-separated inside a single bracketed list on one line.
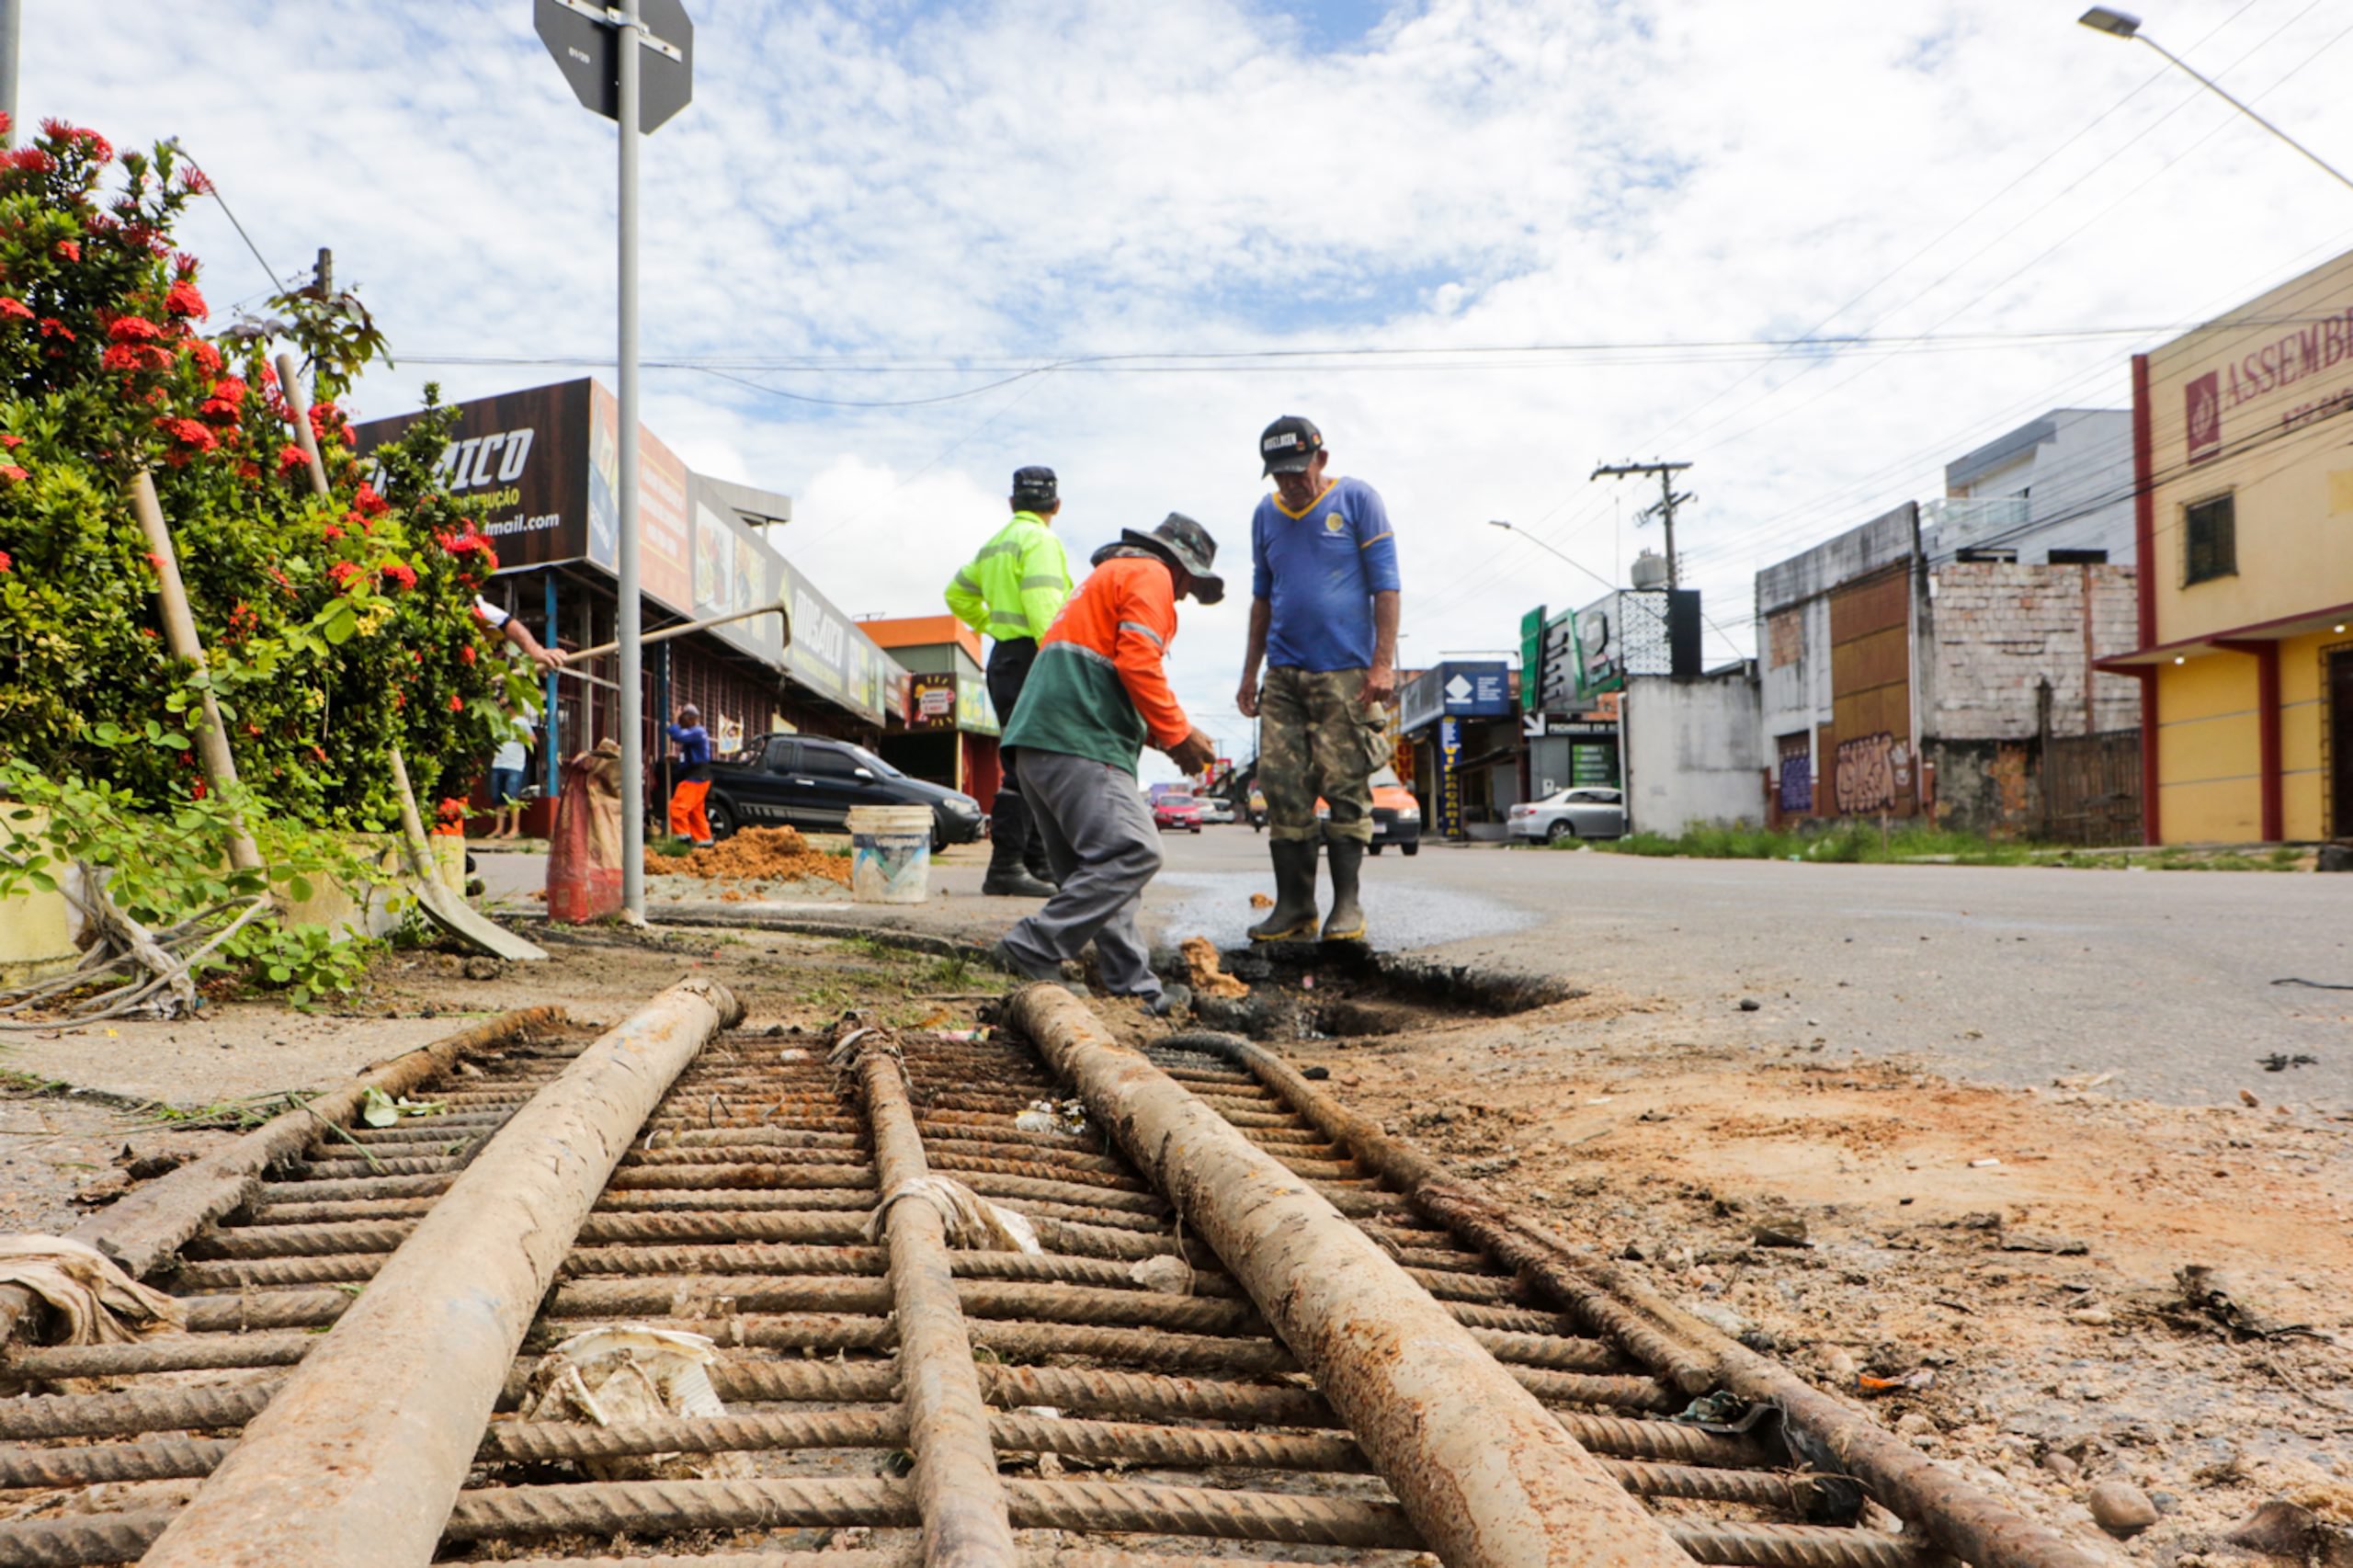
[(631, 622), (601, 49)]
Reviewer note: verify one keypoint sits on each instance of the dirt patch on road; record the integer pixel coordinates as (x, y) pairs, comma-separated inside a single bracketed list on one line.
[(755, 855), (2013, 1253)]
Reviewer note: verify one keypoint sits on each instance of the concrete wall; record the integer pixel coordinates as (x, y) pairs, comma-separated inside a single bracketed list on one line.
[(1693, 750), (1996, 632)]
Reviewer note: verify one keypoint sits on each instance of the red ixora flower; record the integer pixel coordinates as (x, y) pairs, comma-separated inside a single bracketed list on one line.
[(189, 432), (12, 442), (134, 329), (13, 475), (290, 458), (369, 502), (15, 307), (208, 360), (196, 791), (342, 573), (135, 357), (457, 703), (400, 571), (331, 531), (90, 142), (182, 299), (70, 249), (8, 564), (465, 649), (52, 327)]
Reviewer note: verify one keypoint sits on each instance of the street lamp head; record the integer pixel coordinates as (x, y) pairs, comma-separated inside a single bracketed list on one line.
[(1497, 523), (2100, 18)]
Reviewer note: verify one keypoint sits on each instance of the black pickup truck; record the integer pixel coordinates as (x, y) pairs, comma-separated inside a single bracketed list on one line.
[(807, 782)]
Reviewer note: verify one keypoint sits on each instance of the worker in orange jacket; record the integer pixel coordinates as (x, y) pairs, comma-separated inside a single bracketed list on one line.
[(1096, 697)]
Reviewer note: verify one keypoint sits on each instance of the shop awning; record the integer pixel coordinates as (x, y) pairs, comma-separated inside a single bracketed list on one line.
[(2338, 619)]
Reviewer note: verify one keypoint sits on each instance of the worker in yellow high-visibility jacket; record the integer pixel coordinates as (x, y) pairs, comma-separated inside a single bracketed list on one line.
[(1011, 592)]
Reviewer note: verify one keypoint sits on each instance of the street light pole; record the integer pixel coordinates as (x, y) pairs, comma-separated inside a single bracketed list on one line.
[(2123, 24), (631, 622), (1540, 544)]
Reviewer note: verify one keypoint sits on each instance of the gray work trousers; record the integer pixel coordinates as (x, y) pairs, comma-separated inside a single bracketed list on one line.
[(1101, 842)]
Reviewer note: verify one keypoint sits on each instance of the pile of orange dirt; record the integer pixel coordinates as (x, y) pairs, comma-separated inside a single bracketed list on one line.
[(1209, 980), (753, 854)]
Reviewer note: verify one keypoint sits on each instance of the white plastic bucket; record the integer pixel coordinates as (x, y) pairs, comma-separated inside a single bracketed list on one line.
[(889, 854)]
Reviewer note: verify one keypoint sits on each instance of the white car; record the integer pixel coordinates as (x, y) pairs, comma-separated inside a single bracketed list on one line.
[(1582, 812), (1216, 809)]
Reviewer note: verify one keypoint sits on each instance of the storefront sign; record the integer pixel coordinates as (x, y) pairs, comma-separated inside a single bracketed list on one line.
[(1531, 660), (975, 714), (1449, 777), (1465, 691), (518, 463), (539, 470), (931, 701)]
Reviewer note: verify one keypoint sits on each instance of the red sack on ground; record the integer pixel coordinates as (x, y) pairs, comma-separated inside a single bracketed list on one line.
[(584, 855)]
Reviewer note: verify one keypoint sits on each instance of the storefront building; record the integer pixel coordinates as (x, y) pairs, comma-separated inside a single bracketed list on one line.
[(949, 730), (2245, 544), (1460, 725), (538, 467)]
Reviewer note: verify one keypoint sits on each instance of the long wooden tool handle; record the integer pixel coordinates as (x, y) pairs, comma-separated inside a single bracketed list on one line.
[(777, 609), (179, 631)]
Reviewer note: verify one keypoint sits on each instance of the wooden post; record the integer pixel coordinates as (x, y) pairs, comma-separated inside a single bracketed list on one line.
[(179, 632)]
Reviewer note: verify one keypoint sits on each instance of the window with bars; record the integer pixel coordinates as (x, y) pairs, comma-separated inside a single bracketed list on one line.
[(2209, 531)]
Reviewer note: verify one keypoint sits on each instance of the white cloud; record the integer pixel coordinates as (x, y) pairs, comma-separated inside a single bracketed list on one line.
[(1042, 178)]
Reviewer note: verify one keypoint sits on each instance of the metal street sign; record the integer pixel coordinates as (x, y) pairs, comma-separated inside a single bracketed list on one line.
[(587, 45)]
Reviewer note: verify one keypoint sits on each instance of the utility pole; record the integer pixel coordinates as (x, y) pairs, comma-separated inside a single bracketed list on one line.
[(10, 27), (1663, 508), (326, 299)]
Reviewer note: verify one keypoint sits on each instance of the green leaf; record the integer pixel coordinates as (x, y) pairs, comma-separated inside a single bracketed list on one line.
[(300, 888), (107, 733), (154, 729), (171, 740), (378, 1110), (42, 880)]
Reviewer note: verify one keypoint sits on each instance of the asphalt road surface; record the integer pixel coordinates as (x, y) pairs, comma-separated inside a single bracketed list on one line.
[(2164, 979)]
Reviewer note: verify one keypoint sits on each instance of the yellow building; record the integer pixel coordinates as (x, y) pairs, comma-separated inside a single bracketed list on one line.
[(2242, 438)]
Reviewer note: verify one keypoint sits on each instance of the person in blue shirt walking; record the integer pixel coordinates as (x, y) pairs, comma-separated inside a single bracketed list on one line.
[(688, 819), (1323, 620)]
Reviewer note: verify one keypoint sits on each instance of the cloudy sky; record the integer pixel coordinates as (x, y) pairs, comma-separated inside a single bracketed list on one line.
[(895, 250)]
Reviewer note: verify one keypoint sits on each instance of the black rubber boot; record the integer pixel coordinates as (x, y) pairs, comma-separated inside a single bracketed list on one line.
[(1347, 922), (1293, 917), (1009, 840)]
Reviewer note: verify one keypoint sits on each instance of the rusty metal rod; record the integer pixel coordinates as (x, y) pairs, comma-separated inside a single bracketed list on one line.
[(1491, 1479), (963, 1508), (355, 1463), (144, 1228)]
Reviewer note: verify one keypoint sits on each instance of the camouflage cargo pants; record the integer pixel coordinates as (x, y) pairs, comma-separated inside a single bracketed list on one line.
[(1317, 738)]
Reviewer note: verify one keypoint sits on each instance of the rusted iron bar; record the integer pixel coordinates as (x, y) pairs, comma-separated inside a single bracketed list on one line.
[(963, 1508), (144, 1228), (669, 1508), (357, 1460), (1491, 1479), (1956, 1516)]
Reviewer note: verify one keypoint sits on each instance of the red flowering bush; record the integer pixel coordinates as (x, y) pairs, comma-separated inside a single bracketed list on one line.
[(336, 627)]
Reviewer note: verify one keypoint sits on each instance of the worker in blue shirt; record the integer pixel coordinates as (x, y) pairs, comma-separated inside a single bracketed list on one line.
[(688, 819), (1324, 618)]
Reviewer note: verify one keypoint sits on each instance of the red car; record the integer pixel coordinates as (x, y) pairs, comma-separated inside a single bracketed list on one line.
[(1181, 811)]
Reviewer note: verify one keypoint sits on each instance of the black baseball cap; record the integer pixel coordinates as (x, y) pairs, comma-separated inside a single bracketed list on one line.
[(1035, 486), (1288, 445)]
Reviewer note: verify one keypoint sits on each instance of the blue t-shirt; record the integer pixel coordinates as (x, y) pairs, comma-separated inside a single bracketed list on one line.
[(1318, 573), (694, 752)]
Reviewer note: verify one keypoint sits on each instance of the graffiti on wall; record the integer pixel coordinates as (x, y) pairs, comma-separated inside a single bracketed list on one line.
[(1872, 772)]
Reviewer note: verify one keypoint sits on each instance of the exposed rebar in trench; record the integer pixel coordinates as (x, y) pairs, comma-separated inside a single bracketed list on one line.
[(1486, 1474)]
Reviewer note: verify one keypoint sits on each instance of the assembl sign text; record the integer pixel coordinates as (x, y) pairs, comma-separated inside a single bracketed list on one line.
[(2288, 358)]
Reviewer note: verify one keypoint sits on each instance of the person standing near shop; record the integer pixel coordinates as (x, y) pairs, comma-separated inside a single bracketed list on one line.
[(688, 819), (1011, 592), (1099, 696), (1323, 620), (507, 767)]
